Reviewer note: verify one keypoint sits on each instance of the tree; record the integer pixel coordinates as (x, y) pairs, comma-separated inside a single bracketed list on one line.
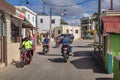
[(95, 18), (63, 22)]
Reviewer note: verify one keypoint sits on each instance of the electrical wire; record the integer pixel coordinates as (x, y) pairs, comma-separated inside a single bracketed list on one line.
[(80, 3)]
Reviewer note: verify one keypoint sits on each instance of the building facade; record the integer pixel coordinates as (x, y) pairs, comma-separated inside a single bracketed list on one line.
[(30, 16), (86, 24), (7, 54), (43, 23), (67, 29)]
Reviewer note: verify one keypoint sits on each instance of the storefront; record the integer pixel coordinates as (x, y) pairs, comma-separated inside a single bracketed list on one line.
[(5, 14)]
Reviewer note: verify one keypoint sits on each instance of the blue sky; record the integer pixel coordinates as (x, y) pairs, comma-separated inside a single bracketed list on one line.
[(75, 8)]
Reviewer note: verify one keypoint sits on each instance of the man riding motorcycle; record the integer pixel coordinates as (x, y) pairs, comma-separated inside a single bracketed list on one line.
[(46, 41), (66, 41), (27, 44)]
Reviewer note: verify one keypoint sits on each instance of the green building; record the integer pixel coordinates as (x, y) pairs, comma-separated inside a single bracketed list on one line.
[(111, 40)]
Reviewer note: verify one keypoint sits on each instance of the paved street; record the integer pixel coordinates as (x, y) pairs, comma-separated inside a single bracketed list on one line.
[(82, 66)]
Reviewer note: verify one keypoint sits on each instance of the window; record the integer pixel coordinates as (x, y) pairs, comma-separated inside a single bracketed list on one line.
[(59, 31), (14, 33), (33, 19), (67, 31), (53, 21), (76, 31), (41, 20), (28, 16)]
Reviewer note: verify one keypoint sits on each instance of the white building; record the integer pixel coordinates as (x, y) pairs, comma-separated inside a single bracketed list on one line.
[(30, 16), (87, 24), (43, 23), (75, 30)]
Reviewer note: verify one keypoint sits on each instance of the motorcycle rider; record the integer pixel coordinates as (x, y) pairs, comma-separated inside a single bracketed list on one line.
[(46, 41), (27, 44), (66, 41), (58, 39)]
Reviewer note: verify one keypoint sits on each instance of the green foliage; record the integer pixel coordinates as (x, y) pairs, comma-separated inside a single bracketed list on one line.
[(63, 22)]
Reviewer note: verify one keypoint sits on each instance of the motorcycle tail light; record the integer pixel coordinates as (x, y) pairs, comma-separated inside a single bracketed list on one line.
[(65, 46)]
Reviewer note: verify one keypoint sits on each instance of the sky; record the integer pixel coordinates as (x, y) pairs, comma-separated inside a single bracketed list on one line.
[(75, 9)]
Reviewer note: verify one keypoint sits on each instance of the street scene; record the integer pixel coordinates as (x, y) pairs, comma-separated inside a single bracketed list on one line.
[(81, 66), (59, 40)]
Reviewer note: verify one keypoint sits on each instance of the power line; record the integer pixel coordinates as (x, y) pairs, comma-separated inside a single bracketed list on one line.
[(80, 3)]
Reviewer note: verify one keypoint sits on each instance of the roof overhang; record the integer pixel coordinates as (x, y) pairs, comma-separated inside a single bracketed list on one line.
[(111, 24), (6, 7)]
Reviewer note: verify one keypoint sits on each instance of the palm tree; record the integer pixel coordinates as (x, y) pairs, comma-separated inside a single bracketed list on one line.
[(95, 18)]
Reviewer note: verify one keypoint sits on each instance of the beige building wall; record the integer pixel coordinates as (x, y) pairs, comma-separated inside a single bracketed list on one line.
[(13, 52), (68, 29)]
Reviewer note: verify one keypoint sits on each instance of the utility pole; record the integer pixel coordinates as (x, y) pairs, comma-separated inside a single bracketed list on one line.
[(50, 22), (111, 5), (99, 21)]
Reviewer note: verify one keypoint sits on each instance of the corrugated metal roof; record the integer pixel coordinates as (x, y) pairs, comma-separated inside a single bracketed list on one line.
[(111, 24)]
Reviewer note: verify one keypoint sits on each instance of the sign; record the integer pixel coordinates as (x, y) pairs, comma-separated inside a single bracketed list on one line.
[(19, 15)]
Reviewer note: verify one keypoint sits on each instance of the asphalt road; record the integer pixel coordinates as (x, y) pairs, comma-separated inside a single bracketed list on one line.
[(81, 66)]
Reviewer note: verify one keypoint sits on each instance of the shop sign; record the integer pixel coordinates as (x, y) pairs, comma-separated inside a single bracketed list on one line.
[(19, 15)]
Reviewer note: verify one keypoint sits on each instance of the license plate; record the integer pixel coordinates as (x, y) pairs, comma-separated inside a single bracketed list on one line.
[(65, 48)]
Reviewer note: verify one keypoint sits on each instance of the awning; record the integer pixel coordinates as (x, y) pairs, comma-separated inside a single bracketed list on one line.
[(25, 24), (111, 24)]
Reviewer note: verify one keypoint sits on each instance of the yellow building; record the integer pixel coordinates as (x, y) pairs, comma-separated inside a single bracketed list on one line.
[(75, 30)]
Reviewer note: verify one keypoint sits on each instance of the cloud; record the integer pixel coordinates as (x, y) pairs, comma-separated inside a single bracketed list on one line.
[(71, 10), (106, 4), (73, 22), (86, 15)]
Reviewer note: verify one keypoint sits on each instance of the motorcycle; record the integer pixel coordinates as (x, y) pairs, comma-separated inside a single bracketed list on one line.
[(65, 51), (25, 57), (45, 49)]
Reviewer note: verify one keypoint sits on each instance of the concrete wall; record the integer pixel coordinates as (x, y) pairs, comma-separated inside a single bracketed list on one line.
[(13, 52)]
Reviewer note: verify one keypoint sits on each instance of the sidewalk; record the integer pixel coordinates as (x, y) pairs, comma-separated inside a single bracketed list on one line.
[(38, 47)]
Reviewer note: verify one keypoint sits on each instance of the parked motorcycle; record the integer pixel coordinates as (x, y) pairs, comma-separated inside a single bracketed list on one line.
[(65, 52), (45, 49), (25, 57)]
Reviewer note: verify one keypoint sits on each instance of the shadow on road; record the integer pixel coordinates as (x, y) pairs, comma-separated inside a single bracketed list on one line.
[(104, 79), (54, 47), (82, 46), (17, 64), (82, 53), (53, 54), (57, 60), (39, 53), (88, 63)]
